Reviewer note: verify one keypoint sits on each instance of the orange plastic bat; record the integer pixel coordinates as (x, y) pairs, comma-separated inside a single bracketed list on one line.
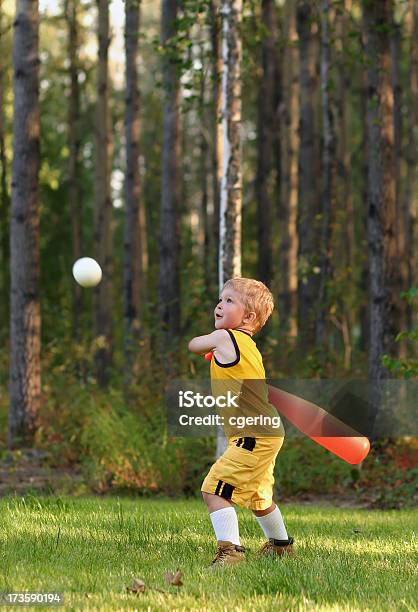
[(322, 427)]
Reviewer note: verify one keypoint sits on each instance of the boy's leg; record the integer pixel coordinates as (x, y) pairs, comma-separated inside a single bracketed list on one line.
[(271, 522), (223, 517)]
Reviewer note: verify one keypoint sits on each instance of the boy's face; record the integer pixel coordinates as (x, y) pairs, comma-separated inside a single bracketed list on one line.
[(229, 312)]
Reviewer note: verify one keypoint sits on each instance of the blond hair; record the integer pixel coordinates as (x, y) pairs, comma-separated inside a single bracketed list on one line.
[(255, 297)]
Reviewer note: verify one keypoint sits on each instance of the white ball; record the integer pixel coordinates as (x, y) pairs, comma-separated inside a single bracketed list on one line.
[(87, 272)]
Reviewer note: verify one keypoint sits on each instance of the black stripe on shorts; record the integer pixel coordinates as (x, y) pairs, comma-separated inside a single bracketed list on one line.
[(218, 487), (249, 444), (227, 491)]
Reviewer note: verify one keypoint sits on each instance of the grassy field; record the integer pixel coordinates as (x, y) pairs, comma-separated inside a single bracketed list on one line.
[(93, 548)]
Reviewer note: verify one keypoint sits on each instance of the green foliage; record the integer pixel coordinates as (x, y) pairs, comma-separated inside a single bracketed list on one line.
[(118, 445), (304, 466), (405, 367), (387, 478), (390, 474)]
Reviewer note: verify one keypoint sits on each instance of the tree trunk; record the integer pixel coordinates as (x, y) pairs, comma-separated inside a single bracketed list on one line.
[(231, 183), (409, 206), (381, 204), (231, 177), (74, 143), (5, 196), (216, 26), (308, 184), (364, 310), (395, 41), (103, 217), (207, 255), (134, 230), (289, 145), (345, 250), (266, 121), (169, 286), (25, 367), (328, 177)]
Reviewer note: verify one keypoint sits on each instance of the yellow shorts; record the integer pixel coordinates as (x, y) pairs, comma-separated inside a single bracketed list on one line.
[(244, 473)]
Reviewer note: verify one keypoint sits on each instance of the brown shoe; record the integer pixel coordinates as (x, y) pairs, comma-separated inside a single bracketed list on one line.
[(228, 554), (277, 548)]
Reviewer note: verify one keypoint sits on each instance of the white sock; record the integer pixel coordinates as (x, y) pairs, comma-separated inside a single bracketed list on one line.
[(225, 525), (272, 525)]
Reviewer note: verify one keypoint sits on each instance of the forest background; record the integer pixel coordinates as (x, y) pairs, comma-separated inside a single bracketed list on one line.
[(324, 96)]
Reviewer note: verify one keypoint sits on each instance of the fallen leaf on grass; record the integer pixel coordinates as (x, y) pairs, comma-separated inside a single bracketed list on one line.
[(138, 586), (174, 579)]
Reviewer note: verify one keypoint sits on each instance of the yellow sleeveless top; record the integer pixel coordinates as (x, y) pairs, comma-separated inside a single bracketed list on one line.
[(248, 362), (245, 376)]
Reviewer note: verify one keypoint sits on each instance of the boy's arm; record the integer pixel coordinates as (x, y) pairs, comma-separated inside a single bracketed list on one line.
[(211, 342)]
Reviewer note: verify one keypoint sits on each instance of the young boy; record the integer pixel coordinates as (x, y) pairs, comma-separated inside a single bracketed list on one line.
[(243, 475)]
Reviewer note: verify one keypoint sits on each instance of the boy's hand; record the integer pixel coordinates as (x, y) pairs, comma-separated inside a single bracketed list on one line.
[(219, 342)]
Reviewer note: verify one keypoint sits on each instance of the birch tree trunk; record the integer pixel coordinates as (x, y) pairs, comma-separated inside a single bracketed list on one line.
[(103, 210), (308, 184), (328, 176), (381, 204), (25, 341), (169, 284), (134, 229), (289, 145), (74, 145), (231, 177), (266, 121), (217, 63), (231, 182)]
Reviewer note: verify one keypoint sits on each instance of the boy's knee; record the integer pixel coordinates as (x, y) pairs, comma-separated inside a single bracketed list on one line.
[(266, 511), (214, 502)]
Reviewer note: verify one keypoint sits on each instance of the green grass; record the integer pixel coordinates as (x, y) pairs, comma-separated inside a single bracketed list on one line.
[(92, 548)]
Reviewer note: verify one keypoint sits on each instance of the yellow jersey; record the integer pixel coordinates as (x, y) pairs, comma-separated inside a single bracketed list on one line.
[(246, 378)]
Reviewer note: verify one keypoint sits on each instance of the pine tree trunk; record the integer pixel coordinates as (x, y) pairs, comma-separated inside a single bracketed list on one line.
[(308, 184), (74, 141), (25, 367), (345, 248), (289, 145), (266, 121), (395, 41), (364, 310), (4, 196), (103, 217), (134, 231), (231, 183), (169, 287), (328, 176), (381, 204), (409, 206)]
